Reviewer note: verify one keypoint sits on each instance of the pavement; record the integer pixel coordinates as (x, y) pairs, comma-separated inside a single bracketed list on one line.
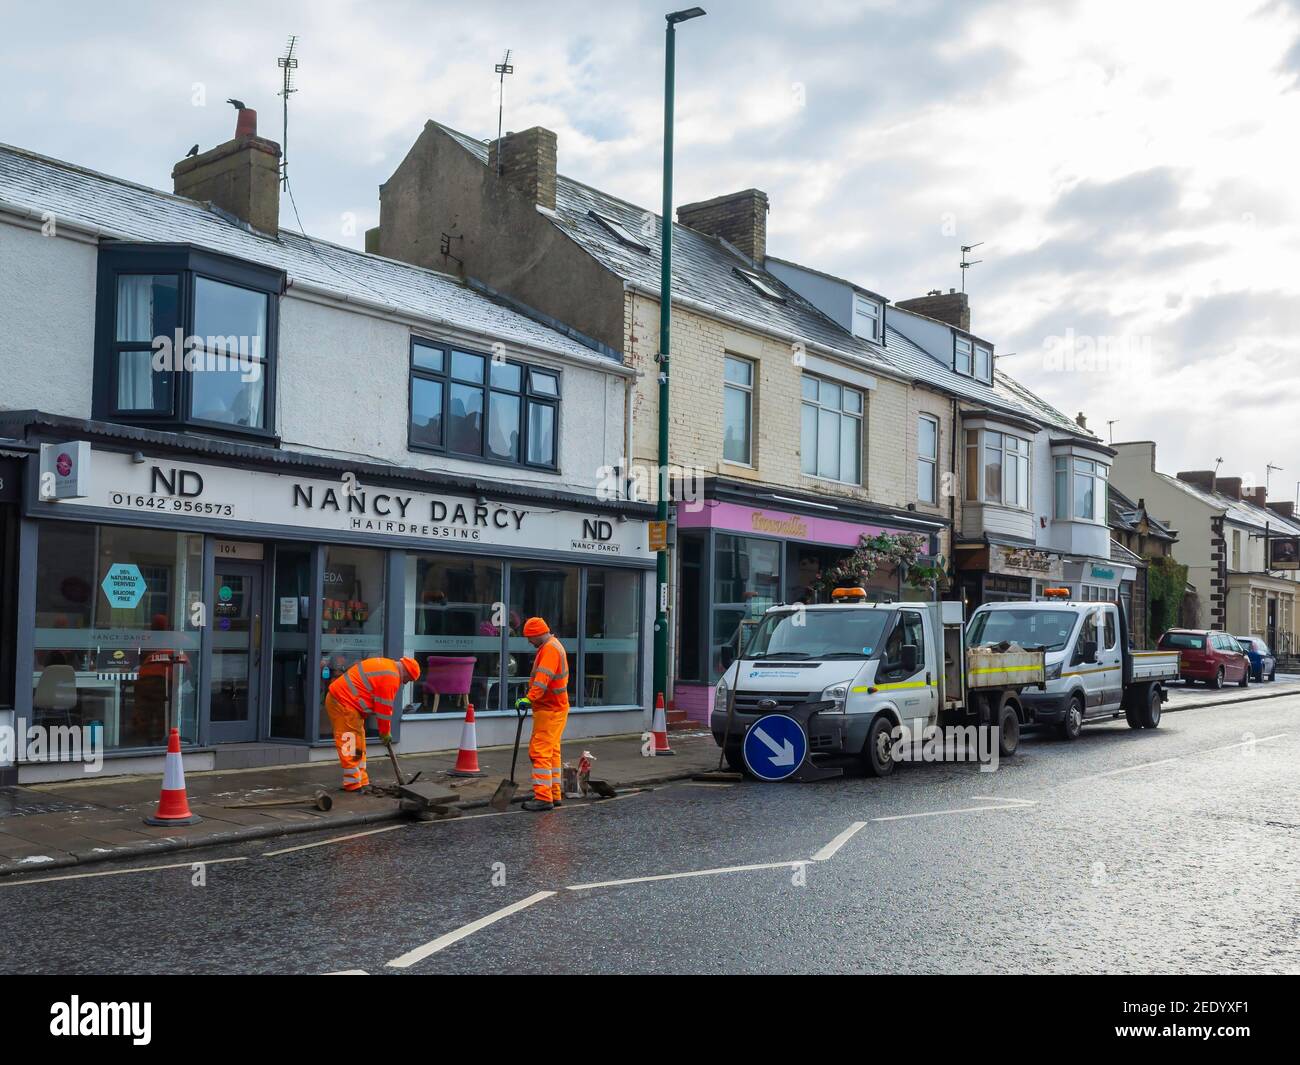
[(1171, 850), (51, 826)]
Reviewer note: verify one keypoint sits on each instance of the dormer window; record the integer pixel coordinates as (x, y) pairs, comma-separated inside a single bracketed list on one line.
[(618, 231), (867, 314), (764, 287), (984, 363), (962, 356)]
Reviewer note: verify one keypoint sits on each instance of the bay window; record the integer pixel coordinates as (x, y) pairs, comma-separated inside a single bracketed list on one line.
[(475, 406), (1079, 489), (185, 338), (997, 468), (831, 433)]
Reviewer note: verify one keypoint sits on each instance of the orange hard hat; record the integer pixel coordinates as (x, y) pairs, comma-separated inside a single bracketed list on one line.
[(535, 627), (412, 668)]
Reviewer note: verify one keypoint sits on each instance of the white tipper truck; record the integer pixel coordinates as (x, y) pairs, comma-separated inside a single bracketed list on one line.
[(874, 667), (1092, 673)]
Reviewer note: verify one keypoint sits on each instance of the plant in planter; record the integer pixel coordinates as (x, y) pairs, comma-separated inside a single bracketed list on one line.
[(900, 552)]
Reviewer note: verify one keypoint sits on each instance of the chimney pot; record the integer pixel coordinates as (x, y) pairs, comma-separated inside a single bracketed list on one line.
[(739, 218), (246, 123)]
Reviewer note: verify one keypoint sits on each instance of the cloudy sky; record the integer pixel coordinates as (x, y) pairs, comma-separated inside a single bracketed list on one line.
[(1129, 166)]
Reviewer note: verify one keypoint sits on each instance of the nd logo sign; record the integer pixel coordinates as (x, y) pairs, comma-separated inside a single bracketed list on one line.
[(597, 529)]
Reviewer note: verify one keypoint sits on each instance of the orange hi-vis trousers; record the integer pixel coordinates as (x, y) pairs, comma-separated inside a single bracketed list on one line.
[(350, 742), (544, 750)]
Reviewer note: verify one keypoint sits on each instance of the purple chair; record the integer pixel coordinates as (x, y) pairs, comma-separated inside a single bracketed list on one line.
[(449, 676)]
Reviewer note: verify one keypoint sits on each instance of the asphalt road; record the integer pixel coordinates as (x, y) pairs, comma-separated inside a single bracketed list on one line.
[(1174, 850)]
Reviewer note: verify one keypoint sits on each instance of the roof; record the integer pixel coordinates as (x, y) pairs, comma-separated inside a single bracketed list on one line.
[(124, 210), (704, 267), (1038, 407), (1126, 515), (1239, 511)]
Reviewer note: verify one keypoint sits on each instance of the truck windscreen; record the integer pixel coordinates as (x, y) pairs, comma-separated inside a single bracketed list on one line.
[(1028, 627), (840, 633)]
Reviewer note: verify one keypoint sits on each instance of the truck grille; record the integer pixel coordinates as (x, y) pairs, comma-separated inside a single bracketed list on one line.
[(747, 701)]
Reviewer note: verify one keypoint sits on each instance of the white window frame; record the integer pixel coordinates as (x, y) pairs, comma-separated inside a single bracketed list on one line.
[(810, 451), (927, 466), (963, 356), (1023, 452), (1068, 465), (983, 362), (869, 312), (747, 390)]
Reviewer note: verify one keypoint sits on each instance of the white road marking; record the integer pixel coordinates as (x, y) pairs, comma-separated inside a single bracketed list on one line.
[(420, 953), (349, 972), (1004, 798), (1178, 757), (829, 850), (1003, 804), (122, 872), (681, 876), (335, 839)]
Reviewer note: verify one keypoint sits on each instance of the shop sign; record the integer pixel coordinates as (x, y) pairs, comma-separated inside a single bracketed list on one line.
[(1283, 552), (222, 495), (1101, 573), (788, 525), (1025, 562), (658, 535), (123, 586), (65, 470)]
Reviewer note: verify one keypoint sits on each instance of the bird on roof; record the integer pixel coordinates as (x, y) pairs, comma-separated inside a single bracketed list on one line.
[(192, 152), (237, 103)]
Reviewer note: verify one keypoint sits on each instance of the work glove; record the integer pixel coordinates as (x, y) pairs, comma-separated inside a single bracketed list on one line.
[(387, 738), (523, 705)]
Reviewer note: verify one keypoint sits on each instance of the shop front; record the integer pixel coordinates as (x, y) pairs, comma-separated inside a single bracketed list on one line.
[(222, 599), (1002, 573), (739, 553)]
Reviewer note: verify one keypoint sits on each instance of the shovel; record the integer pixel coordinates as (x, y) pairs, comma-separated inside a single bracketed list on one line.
[(320, 800), (397, 769), (505, 792)]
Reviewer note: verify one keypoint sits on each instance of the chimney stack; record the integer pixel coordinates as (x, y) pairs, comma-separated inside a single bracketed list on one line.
[(241, 177), (1257, 495), (952, 307), (739, 218), (1286, 509), (1081, 421), (527, 163), (1202, 479), (1230, 486)]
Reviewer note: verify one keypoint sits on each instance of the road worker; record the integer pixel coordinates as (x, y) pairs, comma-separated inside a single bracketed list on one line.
[(548, 698), (370, 687)]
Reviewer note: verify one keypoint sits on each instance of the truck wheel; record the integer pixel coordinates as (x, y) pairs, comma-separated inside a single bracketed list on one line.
[(1151, 711), (1217, 682), (1133, 712), (1008, 729), (1070, 728), (877, 759)]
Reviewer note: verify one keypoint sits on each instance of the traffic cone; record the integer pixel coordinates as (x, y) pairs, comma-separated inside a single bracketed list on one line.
[(659, 727), (467, 756), (173, 805)]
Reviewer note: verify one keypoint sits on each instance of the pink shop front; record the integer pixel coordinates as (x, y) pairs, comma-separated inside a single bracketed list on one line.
[(739, 552)]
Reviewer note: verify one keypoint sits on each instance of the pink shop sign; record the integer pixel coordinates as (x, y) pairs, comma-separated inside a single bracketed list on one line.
[(735, 518)]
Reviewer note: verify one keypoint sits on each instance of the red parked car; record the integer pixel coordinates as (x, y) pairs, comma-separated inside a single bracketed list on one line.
[(1209, 655)]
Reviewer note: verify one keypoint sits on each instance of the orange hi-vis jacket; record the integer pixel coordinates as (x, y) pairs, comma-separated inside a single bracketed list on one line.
[(371, 687), (548, 688)]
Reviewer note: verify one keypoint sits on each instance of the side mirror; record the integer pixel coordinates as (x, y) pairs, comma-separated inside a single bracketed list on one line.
[(909, 658)]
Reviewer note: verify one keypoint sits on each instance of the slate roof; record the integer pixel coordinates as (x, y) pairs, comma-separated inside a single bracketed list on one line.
[(1126, 514), (704, 268), (127, 211), (1237, 510)]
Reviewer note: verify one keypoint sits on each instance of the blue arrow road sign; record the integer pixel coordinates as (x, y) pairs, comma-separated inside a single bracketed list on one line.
[(123, 586), (774, 747)]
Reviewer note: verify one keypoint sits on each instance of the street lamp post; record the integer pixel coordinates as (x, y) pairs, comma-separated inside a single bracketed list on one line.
[(665, 323)]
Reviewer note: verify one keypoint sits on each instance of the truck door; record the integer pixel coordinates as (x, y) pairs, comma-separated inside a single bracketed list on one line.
[(913, 690), (1089, 670), (1110, 659)]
